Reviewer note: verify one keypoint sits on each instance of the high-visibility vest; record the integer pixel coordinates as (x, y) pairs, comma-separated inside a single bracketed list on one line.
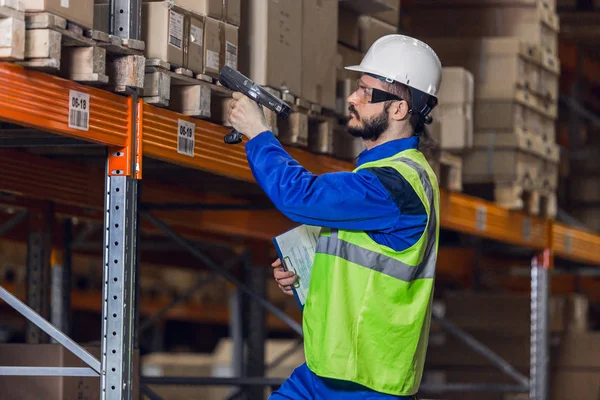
[(368, 309)]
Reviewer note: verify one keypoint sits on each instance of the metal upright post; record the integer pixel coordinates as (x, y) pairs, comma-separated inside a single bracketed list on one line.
[(538, 389), (125, 18), (257, 331), (61, 283), (39, 247), (236, 331), (120, 239), (119, 283)]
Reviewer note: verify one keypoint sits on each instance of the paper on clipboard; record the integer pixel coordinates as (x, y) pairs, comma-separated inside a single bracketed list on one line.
[(296, 249)]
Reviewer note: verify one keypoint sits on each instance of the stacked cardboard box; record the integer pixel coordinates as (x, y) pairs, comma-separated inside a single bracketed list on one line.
[(501, 321), (582, 193), (511, 50), (357, 31), (201, 36), (80, 12), (219, 363), (455, 110), (291, 46)]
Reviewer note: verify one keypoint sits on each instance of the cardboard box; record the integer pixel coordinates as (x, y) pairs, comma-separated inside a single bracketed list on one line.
[(101, 17), (392, 17), (507, 313), (372, 29), (586, 189), (530, 23), (271, 43), (319, 44), (229, 46), (510, 115), (456, 126), (577, 350), (212, 47), (576, 317), (223, 10), (589, 215), (212, 8), (80, 12), (195, 44), (348, 27), (499, 65), (163, 28), (457, 86), (348, 57), (50, 387), (446, 351), (232, 12)]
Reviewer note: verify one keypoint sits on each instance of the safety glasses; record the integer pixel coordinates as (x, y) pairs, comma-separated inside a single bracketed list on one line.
[(369, 95)]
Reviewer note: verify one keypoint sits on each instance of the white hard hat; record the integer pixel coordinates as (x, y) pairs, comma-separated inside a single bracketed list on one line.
[(406, 60)]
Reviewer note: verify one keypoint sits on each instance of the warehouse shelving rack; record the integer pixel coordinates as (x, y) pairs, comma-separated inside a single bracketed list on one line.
[(131, 130)]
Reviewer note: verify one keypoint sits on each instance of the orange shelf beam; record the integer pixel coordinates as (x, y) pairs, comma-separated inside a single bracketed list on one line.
[(575, 245), (41, 101), (91, 301), (160, 129), (481, 218)]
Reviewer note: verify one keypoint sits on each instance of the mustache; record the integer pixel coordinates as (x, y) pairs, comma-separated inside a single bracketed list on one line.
[(353, 112)]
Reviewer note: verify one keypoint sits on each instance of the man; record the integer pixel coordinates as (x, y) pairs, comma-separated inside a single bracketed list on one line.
[(366, 318)]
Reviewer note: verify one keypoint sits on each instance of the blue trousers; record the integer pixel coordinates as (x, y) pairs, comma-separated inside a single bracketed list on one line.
[(303, 384)]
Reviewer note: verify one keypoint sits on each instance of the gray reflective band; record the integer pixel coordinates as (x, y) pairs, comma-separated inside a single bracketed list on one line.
[(332, 245)]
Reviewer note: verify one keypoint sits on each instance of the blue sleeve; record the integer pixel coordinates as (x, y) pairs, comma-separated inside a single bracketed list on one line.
[(343, 200)]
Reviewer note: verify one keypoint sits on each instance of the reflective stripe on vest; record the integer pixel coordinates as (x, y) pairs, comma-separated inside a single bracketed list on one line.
[(334, 246)]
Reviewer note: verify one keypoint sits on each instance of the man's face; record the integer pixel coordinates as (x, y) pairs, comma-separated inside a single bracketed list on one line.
[(367, 121)]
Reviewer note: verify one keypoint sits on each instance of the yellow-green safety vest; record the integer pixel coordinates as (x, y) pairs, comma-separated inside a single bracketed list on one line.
[(368, 309)]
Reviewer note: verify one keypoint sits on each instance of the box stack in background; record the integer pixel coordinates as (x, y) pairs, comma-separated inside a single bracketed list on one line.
[(289, 47), (581, 188), (216, 364), (360, 24), (501, 321), (511, 50), (187, 43), (201, 36), (452, 126)]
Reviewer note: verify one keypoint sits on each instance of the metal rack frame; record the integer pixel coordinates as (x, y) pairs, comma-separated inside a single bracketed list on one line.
[(130, 128)]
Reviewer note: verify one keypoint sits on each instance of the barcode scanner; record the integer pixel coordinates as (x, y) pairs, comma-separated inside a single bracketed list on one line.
[(234, 80)]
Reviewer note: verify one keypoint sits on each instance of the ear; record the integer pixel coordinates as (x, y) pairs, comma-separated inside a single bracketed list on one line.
[(399, 110)]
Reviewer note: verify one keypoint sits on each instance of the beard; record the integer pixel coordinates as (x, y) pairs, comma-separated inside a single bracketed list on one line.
[(372, 129)]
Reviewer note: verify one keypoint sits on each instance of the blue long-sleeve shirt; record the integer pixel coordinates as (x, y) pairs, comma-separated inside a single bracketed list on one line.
[(378, 201)]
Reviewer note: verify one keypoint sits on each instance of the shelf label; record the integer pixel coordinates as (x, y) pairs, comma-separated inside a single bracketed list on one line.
[(527, 228), (79, 110), (64, 3), (186, 138), (481, 218)]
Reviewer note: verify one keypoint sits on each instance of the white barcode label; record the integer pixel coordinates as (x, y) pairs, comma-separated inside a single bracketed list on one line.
[(176, 29), (79, 110), (186, 138), (196, 35), (212, 60), (64, 3), (231, 55)]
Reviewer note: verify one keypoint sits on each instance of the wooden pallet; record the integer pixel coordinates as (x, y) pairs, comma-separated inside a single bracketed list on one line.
[(309, 125), (509, 195), (55, 45), (180, 90), (12, 30)]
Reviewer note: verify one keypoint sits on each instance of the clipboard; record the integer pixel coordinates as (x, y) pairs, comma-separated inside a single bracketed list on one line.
[(296, 249)]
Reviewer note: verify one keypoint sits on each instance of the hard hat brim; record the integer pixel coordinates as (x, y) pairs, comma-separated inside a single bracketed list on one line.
[(359, 68)]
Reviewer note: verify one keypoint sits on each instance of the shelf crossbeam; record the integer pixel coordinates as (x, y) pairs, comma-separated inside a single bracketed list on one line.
[(50, 329)]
